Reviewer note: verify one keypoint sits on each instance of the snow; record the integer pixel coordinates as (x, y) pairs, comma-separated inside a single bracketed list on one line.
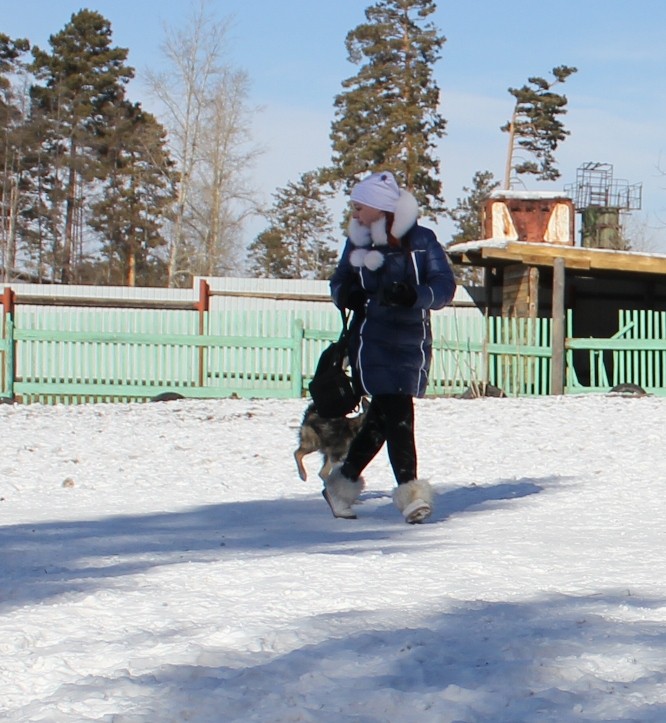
[(164, 562), (501, 243), (489, 243), (528, 195)]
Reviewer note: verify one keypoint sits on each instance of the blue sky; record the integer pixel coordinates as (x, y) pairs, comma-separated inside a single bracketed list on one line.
[(293, 52)]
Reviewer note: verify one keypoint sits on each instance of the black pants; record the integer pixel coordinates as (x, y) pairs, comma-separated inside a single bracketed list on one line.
[(390, 419)]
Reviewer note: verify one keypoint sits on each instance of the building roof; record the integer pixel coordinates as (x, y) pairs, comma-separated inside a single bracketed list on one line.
[(500, 252)]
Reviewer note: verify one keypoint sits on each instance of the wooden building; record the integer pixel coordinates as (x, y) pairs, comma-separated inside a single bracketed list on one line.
[(525, 234), (530, 241)]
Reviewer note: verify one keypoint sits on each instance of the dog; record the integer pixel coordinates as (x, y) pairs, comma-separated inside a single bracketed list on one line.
[(331, 437)]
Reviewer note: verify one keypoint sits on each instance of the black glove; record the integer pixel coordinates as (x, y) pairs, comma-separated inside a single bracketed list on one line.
[(353, 299), (400, 293)]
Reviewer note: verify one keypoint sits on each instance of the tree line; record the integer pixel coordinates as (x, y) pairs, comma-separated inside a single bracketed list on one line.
[(96, 189), (93, 187), (79, 161)]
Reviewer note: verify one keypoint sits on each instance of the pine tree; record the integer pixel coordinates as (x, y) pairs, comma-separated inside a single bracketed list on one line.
[(468, 215), (82, 79), (270, 256), (137, 192), (12, 168), (10, 60), (535, 126), (387, 117), (296, 244), (468, 212)]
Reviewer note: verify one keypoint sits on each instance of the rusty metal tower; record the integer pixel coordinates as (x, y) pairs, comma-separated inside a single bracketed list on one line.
[(601, 199)]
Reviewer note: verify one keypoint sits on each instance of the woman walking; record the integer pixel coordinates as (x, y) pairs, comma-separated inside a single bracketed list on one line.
[(392, 272)]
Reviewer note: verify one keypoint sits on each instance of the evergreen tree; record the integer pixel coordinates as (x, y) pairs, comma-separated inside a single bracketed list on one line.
[(296, 244), (468, 215), (82, 79), (10, 60), (387, 116), (468, 212), (41, 203), (270, 256), (535, 126), (12, 170), (137, 192)]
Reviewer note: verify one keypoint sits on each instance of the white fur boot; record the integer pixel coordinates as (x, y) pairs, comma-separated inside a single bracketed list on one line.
[(414, 499), (341, 492)]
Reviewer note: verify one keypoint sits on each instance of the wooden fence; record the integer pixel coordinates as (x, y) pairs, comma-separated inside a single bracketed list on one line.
[(512, 355), (635, 355), (83, 353)]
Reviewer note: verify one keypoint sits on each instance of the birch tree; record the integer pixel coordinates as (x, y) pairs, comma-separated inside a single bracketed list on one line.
[(203, 107)]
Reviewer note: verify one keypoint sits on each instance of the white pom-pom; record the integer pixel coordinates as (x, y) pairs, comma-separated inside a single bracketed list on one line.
[(373, 260), (357, 257)]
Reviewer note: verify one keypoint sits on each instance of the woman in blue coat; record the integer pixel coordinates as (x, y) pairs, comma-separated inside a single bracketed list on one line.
[(392, 272)]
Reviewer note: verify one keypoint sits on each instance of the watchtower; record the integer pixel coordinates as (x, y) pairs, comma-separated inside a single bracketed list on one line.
[(601, 200)]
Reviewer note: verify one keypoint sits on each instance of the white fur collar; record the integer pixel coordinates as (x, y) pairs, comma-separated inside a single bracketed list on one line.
[(406, 213), (362, 237)]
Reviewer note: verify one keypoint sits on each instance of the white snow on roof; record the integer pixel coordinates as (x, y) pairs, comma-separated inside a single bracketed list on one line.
[(498, 243), (529, 195), (501, 243)]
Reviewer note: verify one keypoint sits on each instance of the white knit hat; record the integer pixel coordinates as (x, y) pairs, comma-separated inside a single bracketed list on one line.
[(378, 190)]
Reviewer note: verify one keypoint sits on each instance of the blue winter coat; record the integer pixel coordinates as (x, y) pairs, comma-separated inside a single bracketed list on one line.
[(391, 346)]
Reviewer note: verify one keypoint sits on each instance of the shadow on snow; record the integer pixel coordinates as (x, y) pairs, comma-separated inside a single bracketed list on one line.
[(560, 658), (50, 558)]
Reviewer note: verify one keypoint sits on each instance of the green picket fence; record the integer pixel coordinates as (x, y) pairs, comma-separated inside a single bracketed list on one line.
[(512, 355), (73, 355), (643, 360), (634, 355), (80, 354), (91, 354)]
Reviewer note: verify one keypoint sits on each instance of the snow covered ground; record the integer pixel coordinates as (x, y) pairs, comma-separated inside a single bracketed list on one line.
[(164, 562)]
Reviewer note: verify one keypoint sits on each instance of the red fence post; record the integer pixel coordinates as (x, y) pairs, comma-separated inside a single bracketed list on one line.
[(8, 301), (202, 307), (8, 368)]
